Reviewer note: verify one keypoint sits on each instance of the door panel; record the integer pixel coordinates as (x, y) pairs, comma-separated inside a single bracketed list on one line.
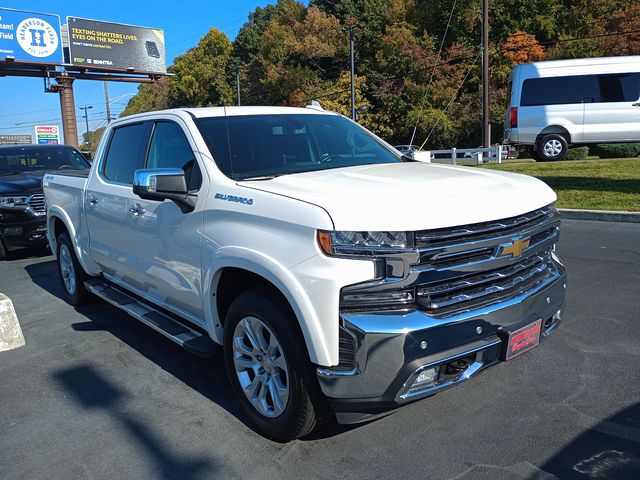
[(615, 115), (164, 243), (108, 197)]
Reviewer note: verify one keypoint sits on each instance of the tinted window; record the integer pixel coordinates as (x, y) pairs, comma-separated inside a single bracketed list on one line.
[(124, 153), (27, 158), (619, 87), (170, 149), (267, 145), (559, 90)]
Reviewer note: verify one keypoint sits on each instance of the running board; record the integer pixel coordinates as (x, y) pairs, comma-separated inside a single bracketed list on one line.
[(191, 340)]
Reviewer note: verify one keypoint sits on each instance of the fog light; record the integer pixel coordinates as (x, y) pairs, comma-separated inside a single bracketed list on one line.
[(426, 377)]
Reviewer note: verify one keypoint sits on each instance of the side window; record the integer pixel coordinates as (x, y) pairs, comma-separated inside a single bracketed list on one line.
[(560, 90), (170, 149), (124, 153), (619, 87)]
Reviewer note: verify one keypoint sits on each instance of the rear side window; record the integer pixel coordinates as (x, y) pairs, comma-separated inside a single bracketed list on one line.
[(560, 90), (619, 87), (170, 148), (124, 153)]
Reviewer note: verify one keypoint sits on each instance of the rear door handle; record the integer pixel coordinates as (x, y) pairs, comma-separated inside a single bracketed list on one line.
[(637, 104)]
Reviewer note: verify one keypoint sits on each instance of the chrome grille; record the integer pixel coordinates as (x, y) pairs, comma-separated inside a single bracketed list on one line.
[(486, 287), (478, 231), (36, 203), (467, 267), (462, 268)]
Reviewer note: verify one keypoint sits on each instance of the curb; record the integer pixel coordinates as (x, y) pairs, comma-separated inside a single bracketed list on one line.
[(10, 333), (600, 215)]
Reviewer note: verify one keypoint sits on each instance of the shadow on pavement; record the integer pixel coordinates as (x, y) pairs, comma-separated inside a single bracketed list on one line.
[(25, 253), (207, 376), (92, 391), (609, 450)]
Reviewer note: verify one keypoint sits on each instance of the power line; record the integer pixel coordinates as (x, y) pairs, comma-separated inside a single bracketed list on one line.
[(453, 97), (424, 97), (592, 22), (574, 39)]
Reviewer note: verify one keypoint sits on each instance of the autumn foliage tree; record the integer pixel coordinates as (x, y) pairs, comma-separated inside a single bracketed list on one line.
[(410, 76)]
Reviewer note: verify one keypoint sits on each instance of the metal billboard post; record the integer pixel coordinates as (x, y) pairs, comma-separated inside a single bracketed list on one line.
[(64, 87)]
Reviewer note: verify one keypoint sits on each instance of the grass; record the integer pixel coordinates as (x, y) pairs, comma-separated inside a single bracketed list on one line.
[(587, 184)]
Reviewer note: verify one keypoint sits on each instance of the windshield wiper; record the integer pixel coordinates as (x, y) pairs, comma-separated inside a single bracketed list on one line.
[(263, 177)]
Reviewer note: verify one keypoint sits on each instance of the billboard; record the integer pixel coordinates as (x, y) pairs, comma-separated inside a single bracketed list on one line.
[(15, 139), (47, 134), (30, 36), (116, 46)]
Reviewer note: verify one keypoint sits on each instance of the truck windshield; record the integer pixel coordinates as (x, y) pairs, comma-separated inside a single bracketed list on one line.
[(27, 158), (253, 147)]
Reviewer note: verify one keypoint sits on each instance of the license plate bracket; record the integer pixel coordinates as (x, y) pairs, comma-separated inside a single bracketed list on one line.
[(519, 339)]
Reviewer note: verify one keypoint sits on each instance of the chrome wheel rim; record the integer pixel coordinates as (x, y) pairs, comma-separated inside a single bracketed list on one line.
[(261, 367), (67, 270), (552, 148)]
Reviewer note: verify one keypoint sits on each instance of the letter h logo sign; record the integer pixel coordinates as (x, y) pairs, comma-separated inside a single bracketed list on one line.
[(37, 38)]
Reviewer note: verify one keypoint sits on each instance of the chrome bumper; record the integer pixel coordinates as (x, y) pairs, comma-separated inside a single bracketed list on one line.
[(392, 347)]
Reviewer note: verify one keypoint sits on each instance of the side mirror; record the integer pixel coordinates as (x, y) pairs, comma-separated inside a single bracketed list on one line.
[(164, 184)]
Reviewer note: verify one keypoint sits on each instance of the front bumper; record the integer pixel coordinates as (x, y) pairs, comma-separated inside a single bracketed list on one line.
[(22, 229), (391, 348)]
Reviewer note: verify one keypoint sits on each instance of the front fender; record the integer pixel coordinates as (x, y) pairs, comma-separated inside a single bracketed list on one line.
[(311, 288)]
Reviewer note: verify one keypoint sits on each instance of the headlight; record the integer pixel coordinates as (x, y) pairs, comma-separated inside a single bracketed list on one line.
[(363, 243), (14, 201)]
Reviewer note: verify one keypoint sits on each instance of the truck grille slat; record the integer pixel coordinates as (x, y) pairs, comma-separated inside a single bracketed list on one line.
[(512, 280), (36, 203), (478, 231)]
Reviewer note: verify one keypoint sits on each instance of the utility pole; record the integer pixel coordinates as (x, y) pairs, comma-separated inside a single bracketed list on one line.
[(486, 140), (238, 82), (86, 121), (106, 99), (353, 74)]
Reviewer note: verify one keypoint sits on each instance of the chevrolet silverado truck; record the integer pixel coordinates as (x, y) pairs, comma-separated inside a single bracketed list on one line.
[(338, 277), (22, 210)]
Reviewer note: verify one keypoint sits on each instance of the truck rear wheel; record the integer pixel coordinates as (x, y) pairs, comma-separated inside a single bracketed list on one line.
[(268, 368), (72, 276)]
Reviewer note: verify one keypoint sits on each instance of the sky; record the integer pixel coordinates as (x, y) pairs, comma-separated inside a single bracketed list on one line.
[(23, 102)]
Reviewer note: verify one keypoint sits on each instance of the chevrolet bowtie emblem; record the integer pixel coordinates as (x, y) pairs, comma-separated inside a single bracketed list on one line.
[(516, 248)]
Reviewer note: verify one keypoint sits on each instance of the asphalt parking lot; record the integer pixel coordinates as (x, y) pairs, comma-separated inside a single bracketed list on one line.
[(94, 394)]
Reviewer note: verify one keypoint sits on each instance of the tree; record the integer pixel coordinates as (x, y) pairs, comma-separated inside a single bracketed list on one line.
[(522, 47), (200, 74)]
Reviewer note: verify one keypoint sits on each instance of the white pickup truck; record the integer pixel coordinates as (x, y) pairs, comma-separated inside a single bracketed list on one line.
[(339, 277)]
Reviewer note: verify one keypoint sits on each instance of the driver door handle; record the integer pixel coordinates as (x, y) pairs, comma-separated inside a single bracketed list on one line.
[(92, 200), (637, 104)]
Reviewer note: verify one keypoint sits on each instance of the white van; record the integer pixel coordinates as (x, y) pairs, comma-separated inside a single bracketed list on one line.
[(567, 102)]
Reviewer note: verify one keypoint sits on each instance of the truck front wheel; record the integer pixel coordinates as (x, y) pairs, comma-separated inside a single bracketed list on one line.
[(268, 368), (72, 276)]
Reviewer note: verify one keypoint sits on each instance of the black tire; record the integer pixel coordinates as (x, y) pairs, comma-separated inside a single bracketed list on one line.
[(551, 148), (3, 250), (74, 293), (306, 408)]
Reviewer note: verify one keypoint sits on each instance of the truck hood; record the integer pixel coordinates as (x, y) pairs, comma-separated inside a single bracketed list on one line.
[(21, 183), (411, 196)]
